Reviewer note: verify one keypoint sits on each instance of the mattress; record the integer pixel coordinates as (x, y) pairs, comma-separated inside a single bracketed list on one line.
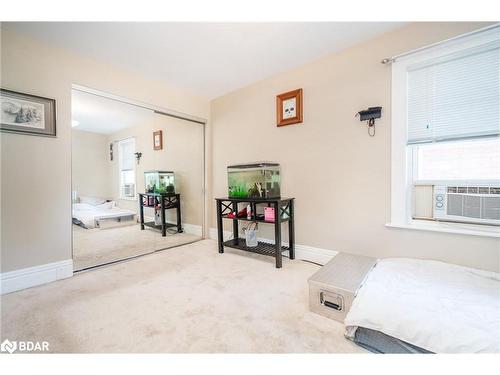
[(430, 305), (88, 216)]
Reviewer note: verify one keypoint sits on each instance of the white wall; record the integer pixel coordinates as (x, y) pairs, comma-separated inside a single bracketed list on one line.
[(91, 168), (339, 175), (36, 171)]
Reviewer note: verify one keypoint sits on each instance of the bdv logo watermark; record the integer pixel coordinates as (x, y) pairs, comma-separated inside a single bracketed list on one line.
[(8, 346)]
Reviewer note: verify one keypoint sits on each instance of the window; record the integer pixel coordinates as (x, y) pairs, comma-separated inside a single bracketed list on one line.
[(445, 120), (126, 150)]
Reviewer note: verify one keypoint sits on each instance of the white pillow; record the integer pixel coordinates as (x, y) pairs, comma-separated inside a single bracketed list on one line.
[(94, 201), (107, 205)]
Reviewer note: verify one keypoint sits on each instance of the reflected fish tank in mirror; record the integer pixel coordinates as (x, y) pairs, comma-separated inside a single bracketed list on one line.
[(255, 180), (159, 182)]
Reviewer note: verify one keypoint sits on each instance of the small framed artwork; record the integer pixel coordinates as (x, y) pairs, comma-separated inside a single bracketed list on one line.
[(289, 108), (27, 114), (158, 140)]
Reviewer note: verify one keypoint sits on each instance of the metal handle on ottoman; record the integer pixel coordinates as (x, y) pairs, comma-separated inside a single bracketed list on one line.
[(337, 305)]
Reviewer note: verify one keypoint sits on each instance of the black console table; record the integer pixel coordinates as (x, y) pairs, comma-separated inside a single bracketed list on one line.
[(283, 212), (166, 202)]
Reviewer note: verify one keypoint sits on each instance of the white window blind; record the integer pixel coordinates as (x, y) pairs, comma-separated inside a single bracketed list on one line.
[(455, 96), (127, 149), (127, 170)]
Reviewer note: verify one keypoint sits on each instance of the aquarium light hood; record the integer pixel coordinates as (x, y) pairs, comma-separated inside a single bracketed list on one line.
[(258, 164)]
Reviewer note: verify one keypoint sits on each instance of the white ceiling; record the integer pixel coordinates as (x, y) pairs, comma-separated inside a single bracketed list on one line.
[(102, 115), (207, 59)]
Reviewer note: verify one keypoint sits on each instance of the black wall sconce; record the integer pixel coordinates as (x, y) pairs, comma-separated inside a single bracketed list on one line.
[(369, 115), (138, 156)]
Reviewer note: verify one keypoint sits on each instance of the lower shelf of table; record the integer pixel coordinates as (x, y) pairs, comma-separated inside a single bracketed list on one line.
[(151, 224), (167, 206), (263, 248)]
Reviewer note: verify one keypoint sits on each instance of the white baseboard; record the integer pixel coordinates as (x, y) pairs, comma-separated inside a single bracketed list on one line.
[(192, 229), (28, 277), (314, 254), (303, 252)]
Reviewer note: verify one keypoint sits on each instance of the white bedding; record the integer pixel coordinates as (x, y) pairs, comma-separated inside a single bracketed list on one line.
[(90, 215), (436, 306)]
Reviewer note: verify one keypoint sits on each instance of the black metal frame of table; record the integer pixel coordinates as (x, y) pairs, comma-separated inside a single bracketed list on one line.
[(283, 212), (166, 202)]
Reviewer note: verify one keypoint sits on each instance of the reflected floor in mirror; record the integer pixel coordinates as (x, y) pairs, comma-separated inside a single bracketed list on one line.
[(94, 247)]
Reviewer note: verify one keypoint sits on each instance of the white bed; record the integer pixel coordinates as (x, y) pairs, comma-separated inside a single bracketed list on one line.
[(439, 307), (91, 215)]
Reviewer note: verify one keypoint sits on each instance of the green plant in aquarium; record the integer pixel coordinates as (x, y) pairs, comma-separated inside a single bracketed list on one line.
[(238, 191), (160, 189), (165, 189)]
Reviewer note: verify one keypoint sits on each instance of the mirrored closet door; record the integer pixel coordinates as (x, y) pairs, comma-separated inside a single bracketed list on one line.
[(137, 181)]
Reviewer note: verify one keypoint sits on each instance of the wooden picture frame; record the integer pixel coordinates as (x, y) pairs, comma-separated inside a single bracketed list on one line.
[(289, 108), (28, 114), (158, 140)]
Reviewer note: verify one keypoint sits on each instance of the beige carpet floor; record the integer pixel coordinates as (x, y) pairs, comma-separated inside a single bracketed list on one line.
[(187, 299), (93, 247)]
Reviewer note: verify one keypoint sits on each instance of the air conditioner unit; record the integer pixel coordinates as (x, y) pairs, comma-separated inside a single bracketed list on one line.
[(129, 190), (467, 204)]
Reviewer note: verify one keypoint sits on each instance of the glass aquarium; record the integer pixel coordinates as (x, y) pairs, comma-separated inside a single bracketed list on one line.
[(159, 182), (257, 180)]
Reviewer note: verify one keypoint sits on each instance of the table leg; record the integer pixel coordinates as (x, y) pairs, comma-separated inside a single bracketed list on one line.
[(179, 220), (235, 222), (141, 211), (291, 231), (162, 214), (277, 233), (220, 237)]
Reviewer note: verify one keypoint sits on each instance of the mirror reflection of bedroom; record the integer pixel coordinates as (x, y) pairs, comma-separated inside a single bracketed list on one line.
[(137, 180)]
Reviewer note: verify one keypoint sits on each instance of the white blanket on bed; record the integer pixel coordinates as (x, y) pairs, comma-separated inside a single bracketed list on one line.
[(440, 307), (88, 214)]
